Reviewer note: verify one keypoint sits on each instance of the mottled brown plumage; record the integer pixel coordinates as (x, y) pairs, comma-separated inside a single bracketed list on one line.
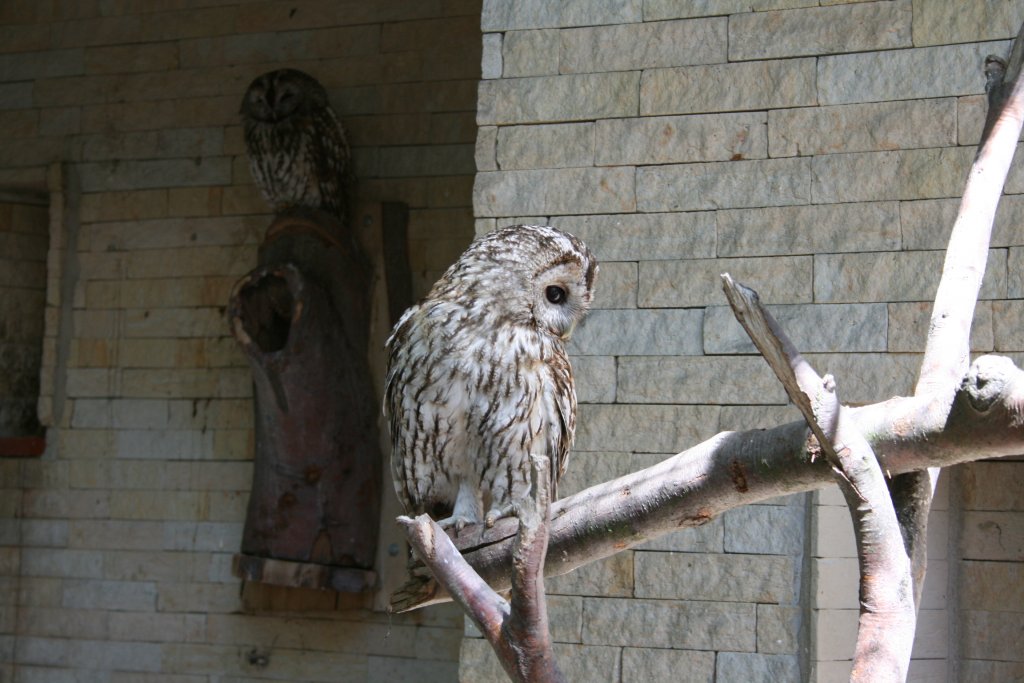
[(478, 377), (298, 150)]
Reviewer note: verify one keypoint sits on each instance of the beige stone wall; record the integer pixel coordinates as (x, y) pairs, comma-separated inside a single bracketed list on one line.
[(116, 545), (816, 151)]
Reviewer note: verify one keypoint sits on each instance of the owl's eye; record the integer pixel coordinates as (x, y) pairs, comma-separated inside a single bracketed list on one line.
[(555, 294)]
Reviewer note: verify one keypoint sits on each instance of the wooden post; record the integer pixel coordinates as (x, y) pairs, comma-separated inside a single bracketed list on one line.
[(302, 316)]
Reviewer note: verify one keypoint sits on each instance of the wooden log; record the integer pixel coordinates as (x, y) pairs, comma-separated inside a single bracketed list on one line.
[(302, 318)]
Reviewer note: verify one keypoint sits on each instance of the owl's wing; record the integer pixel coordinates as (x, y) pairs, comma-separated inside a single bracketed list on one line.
[(565, 402), (394, 408)]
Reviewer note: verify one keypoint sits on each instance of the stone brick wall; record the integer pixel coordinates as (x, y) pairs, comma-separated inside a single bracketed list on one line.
[(816, 151), (116, 545)]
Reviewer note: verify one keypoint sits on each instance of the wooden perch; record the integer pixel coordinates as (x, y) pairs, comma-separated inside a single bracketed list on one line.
[(516, 629), (885, 634)]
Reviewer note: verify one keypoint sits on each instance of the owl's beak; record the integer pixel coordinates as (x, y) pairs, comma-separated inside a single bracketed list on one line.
[(568, 332)]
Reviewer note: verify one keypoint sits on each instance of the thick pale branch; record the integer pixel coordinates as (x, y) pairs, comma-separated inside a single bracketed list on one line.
[(732, 469), (948, 345), (883, 646)]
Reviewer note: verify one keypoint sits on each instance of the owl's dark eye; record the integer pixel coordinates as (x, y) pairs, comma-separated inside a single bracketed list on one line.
[(555, 294)]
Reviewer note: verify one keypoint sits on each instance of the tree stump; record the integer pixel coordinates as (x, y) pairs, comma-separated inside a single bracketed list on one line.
[(302, 316)]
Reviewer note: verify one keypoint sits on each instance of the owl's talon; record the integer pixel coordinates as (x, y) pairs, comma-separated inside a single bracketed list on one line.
[(499, 513), (457, 521)]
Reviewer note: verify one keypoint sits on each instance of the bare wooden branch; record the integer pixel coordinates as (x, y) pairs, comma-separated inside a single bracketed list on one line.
[(516, 629), (948, 345), (887, 620), (732, 469)]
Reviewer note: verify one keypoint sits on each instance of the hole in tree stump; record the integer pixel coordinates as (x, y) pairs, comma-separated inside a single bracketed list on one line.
[(266, 307)]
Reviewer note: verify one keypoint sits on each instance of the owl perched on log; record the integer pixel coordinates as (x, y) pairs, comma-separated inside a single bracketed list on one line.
[(478, 377), (298, 151)]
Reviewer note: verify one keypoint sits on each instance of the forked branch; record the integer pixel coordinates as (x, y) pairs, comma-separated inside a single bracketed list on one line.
[(517, 629), (885, 634)]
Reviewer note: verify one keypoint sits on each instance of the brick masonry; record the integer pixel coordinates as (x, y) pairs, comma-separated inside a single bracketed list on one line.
[(816, 151), (116, 545)]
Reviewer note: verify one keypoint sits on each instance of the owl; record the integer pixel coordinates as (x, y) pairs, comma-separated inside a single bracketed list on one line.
[(478, 378), (298, 150)]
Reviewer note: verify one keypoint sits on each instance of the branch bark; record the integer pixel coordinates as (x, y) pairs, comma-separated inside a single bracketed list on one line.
[(732, 469), (517, 629)]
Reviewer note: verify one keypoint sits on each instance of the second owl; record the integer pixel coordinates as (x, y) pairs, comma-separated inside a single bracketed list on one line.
[(478, 377)]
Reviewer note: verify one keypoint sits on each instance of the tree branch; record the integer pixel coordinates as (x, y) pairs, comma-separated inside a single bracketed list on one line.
[(517, 630), (887, 617), (732, 469)]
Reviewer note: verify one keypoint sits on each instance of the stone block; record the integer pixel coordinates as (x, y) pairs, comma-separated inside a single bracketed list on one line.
[(908, 326), (552, 191), (728, 578), (671, 9), (139, 596), (743, 666), (742, 418), (871, 127), (834, 585), (723, 185), (531, 53), (812, 328), (991, 535), (1008, 325), (643, 45), (545, 146), (917, 73), (894, 276), (938, 23), (616, 285), (671, 284), (778, 629), (61, 563), (992, 485), (491, 66), (648, 237), (621, 332), (1015, 279), (832, 532), (873, 176), (543, 99), (989, 635), (761, 85), (587, 468), (820, 31), (931, 637), (478, 663), (684, 666), (610, 577), (398, 669), (144, 174), (869, 377), (765, 530), (503, 16), (706, 538), (927, 224), (595, 379), (692, 625), (681, 139), (644, 428), (981, 671), (712, 380)]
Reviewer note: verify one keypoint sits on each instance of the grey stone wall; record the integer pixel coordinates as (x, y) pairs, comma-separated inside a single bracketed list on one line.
[(814, 150)]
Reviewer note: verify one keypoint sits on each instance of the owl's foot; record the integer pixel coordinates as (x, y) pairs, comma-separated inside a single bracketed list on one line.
[(457, 521), (494, 514)]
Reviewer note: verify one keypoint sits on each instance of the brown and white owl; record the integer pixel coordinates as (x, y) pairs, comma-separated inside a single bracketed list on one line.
[(478, 377), (298, 150)]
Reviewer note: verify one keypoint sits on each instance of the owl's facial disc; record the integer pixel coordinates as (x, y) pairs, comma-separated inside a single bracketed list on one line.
[(562, 299)]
